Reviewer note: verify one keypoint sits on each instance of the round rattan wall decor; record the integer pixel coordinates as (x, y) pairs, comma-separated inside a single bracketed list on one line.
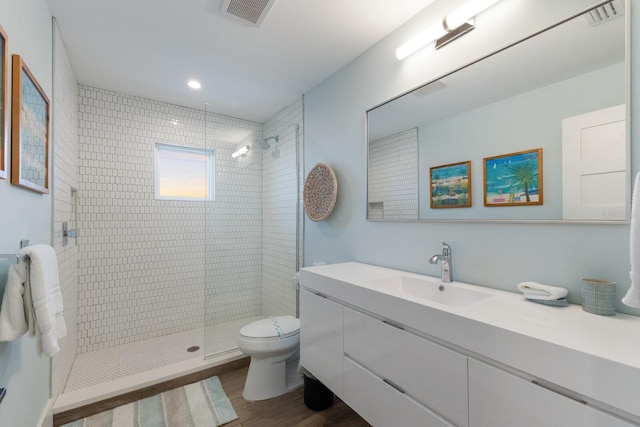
[(320, 192)]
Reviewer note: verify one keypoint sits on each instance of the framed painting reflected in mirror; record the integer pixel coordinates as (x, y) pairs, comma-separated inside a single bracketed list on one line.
[(451, 185), (3, 100), (29, 130), (513, 179)]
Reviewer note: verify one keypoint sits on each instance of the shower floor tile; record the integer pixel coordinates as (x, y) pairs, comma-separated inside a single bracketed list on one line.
[(101, 366)]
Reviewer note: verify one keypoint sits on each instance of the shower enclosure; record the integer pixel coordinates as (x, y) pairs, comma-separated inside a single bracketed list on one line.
[(252, 225), (152, 275)]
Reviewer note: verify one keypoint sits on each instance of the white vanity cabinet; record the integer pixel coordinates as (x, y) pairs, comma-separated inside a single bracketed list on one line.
[(501, 361), (321, 340), (426, 372), (500, 399)]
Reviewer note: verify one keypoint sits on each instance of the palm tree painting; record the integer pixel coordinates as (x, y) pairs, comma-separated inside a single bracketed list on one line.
[(513, 179)]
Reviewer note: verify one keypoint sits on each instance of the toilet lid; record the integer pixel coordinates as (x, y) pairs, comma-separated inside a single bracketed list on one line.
[(279, 327)]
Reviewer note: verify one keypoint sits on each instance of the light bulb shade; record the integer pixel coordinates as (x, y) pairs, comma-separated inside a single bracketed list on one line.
[(242, 151), (466, 12), (421, 40), (451, 22)]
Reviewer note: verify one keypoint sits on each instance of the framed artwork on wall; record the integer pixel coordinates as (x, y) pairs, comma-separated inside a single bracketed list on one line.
[(3, 104), (513, 179), (450, 185), (29, 130)]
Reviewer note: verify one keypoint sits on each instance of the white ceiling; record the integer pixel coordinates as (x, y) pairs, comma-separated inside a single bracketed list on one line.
[(151, 48)]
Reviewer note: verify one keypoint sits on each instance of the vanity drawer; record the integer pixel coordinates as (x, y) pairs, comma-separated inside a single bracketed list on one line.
[(500, 399), (381, 404), (432, 374)]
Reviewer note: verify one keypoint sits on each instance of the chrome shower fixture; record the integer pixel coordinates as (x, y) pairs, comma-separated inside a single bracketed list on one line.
[(276, 152), (264, 142)]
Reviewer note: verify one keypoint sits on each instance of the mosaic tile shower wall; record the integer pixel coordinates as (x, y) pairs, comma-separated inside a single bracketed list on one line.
[(142, 261), (393, 177), (65, 180)]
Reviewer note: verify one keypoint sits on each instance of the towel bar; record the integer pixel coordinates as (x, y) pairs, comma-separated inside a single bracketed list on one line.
[(14, 258)]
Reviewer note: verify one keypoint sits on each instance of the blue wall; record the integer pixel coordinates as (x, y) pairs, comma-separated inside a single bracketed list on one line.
[(488, 254), (25, 215)]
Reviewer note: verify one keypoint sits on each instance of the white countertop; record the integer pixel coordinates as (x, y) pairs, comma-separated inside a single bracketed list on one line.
[(595, 356)]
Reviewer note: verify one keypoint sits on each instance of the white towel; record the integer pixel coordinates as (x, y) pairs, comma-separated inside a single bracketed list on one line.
[(540, 291), (13, 322), (632, 298), (43, 299)]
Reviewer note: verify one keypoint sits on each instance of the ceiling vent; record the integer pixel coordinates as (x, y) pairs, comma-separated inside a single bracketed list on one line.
[(250, 12), (604, 13)]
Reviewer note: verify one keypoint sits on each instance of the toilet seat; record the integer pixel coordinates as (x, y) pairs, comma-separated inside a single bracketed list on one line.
[(271, 329)]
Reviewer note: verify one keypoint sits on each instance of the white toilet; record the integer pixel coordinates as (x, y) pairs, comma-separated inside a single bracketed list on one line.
[(274, 347)]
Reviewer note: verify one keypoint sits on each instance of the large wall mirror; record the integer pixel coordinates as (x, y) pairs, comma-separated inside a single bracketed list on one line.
[(535, 132)]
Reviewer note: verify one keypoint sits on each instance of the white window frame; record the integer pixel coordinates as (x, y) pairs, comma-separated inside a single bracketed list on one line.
[(209, 170)]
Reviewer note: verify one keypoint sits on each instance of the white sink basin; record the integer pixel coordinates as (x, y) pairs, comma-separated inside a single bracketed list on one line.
[(431, 290)]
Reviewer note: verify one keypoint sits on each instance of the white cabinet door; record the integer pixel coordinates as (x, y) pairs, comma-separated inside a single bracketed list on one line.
[(432, 374), (383, 405), (321, 350), (595, 165), (500, 399)]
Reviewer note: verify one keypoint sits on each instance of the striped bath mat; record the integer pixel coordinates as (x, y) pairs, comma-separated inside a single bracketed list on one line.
[(200, 404)]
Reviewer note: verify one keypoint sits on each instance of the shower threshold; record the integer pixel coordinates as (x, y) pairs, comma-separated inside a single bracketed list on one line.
[(113, 371)]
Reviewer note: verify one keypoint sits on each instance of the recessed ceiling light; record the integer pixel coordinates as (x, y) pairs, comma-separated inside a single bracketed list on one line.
[(194, 84)]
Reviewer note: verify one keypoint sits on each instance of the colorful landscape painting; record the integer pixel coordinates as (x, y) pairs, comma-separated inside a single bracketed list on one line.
[(450, 185), (513, 179)]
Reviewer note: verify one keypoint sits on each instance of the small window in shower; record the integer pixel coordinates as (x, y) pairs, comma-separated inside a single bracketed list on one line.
[(184, 173)]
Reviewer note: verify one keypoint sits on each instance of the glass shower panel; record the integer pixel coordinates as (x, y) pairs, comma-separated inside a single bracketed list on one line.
[(281, 217), (233, 232), (252, 240)]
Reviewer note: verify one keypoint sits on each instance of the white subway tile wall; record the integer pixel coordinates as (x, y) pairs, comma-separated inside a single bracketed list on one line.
[(143, 261), (282, 210), (393, 177), (232, 248), (256, 246), (65, 179)]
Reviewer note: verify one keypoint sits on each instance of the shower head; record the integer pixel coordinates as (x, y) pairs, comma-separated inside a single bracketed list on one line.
[(264, 142)]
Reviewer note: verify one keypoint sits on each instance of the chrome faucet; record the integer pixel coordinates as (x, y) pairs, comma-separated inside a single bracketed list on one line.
[(446, 263)]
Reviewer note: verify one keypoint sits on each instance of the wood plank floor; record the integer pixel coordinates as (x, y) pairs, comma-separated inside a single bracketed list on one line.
[(288, 410)]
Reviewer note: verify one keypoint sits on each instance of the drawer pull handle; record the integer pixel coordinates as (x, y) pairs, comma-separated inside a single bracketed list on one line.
[(551, 389), (394, 385), (395, 325)]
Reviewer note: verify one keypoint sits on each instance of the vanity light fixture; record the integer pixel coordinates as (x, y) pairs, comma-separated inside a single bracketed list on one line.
[(455, 24), (241, 152), (194, 84)]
